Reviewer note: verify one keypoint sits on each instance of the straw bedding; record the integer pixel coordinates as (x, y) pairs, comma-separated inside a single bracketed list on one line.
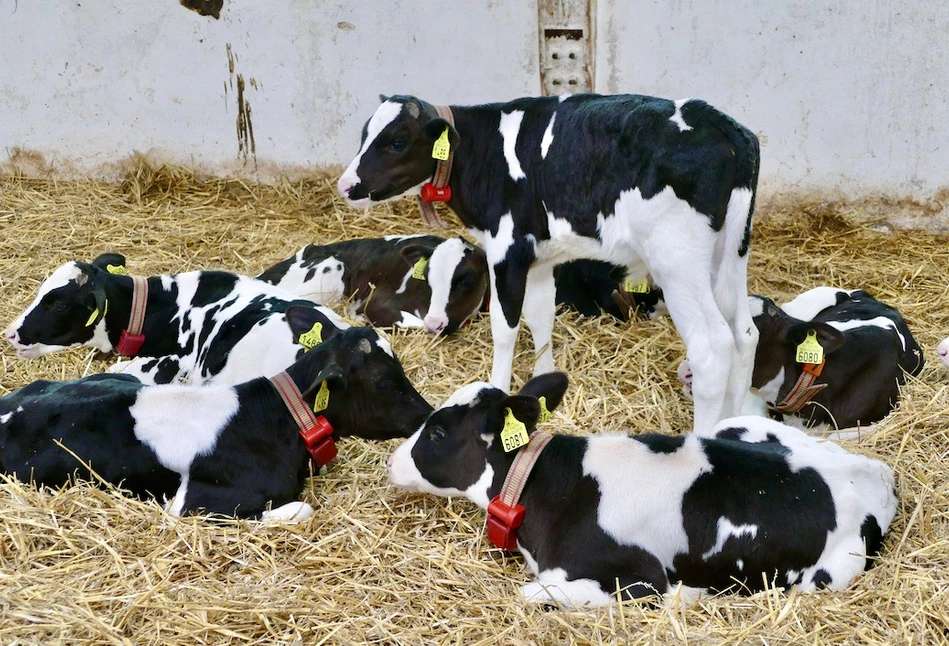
[(375, 565)]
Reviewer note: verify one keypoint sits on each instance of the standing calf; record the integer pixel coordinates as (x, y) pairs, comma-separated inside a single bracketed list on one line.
[(750, 500), (645, 183), (218, 449), (419, 281), (198, 327)]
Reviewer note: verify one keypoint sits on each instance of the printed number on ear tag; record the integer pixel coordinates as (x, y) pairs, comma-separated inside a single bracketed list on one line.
[(441, 148), (322, 400), (544, 413), (810, 351), (636, 288), (418, 269), (313, 338), (514, 435), (118, 270)]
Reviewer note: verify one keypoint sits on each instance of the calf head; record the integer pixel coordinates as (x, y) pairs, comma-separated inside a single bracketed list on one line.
[(457, 273), (369, 394), (395, 157), (779, 334), (67, 310), (458, 451)]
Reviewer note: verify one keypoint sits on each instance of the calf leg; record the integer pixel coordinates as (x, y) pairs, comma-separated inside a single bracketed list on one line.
[(540, 309), (508, 266)]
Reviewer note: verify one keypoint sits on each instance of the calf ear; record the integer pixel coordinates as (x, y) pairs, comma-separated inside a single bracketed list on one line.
[(550, 386), (95, 301), (434, 129), (830, 339), (412, 252), (525, 408), (332, 375), (383, 98), (109, 258), (301, 319)]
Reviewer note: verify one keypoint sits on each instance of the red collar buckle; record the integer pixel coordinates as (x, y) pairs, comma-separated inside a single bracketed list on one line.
[(502, 523), (319, 441), (130, 344), (432, 193)]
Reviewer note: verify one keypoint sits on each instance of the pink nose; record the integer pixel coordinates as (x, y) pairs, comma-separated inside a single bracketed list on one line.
[(345, 186), (389, 463), (434, 325), (11, 335)]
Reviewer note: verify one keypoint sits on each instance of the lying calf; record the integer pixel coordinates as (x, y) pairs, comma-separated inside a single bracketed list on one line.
[(867, 351), (197, 327), (593, 287), (753, 499), (419, 281), (218, 449)]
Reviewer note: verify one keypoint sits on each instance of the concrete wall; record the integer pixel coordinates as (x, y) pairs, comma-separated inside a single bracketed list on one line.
[(849, 99), (86, 83)]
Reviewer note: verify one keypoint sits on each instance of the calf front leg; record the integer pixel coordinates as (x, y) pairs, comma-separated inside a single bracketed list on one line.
[(540, 309), (508, 285)]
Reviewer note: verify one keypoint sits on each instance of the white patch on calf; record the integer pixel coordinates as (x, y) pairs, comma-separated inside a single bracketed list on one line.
[(385, 346), (620, 465), (468, 395), (6, 417), (59, 278), (880, 322), (291, 512), (176, 504), (405, 280), (510, 126), (179, 423), (726, 530), (409, 320), (812, 302), (769, 391), (325, 284), (755, 306), (676, 117), (552, 586), (393, 238), (382, 117), (548, 137), (441, 268)]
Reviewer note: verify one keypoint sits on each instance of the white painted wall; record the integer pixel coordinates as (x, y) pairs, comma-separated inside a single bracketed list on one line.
[(849, 99), (87, 82)]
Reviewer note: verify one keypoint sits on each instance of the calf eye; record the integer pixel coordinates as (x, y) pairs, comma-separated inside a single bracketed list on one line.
[(59, 306), (397, 145), (436, 434)]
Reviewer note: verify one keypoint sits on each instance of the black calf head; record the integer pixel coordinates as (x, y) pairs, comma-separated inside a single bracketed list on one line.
[(779, 334), (396, 151), (458, 450), (369, 394), (67, 310)]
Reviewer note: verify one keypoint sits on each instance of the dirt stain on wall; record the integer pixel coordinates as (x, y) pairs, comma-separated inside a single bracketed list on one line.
[(246, 146)]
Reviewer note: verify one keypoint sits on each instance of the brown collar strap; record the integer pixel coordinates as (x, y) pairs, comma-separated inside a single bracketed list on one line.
[(804, 390), (132, 338), (316, 432), (438, 189), (504, 514)]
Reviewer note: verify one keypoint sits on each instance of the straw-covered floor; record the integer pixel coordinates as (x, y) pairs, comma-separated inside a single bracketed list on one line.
[(375, 565)]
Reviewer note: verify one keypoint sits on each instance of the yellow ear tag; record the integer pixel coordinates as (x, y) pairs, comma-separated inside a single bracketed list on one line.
[(514, 434), (544, 413), (118, 270), (418, 269), (313, 338), (636, 288), (322, 400), (810, 351), (95, 313), (441, 148)]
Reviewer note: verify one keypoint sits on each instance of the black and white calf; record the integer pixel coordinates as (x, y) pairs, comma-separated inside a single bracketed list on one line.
[(749, 500), (420, 280), (593, 287), (232, 450), (199, 327), (657, 186), (868, 351)]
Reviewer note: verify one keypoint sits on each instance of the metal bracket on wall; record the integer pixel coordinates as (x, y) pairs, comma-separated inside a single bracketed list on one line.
[(566, 46)]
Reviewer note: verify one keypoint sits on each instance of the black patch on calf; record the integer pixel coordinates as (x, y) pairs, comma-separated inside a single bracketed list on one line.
[(752, 484), (211, 286), (821, 579), (661, 443), (872, 537), (91, 418), (732, 433)]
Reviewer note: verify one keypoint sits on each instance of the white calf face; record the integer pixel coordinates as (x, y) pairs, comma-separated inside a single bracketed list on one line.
[(58, 316), (458, 277)]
